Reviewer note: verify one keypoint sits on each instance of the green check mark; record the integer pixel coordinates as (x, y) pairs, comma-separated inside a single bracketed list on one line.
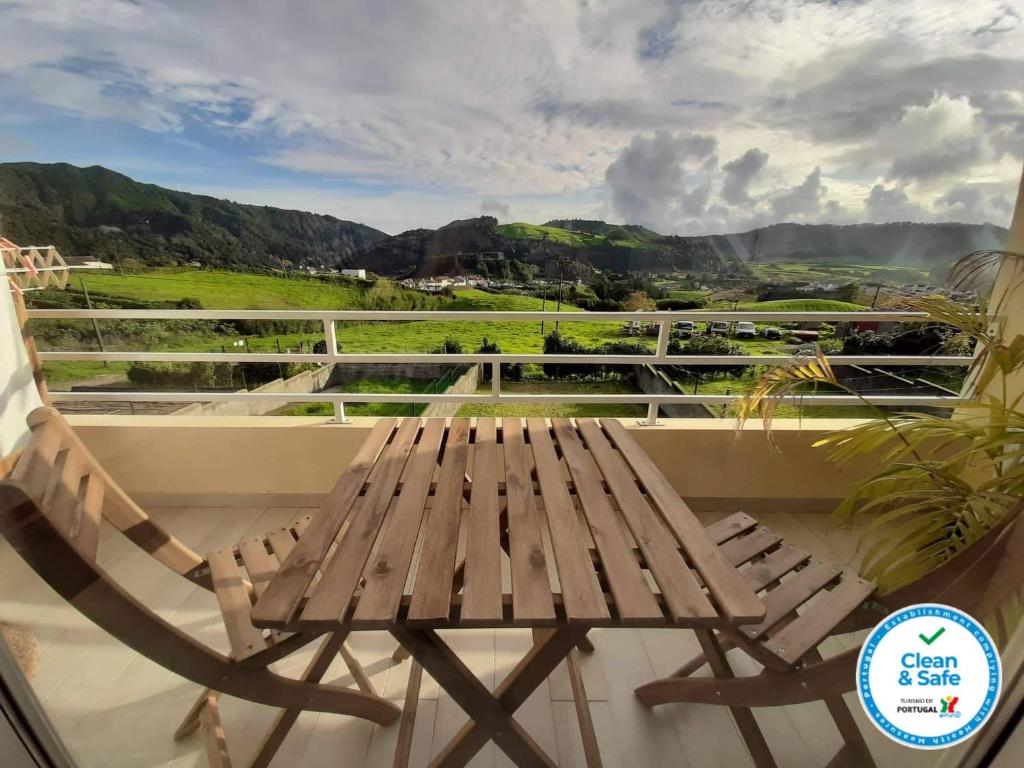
[(933, 638)]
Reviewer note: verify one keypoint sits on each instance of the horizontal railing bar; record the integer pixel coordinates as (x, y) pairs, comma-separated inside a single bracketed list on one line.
[(364, 397), (426, 357), (470, 316)]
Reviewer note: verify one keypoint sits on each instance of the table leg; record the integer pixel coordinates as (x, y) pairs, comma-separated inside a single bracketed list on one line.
[(491, 714), (744, 717)]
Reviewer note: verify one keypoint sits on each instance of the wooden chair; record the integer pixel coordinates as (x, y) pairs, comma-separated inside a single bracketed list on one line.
[(51, 509), (809, 601)]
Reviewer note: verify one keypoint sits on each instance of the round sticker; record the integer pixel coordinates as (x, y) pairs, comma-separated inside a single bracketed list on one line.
[(928, 676)]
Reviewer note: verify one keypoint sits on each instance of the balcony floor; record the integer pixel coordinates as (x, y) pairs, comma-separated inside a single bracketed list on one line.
[(115, 708)]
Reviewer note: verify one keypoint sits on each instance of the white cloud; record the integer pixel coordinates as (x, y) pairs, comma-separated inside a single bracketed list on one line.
[(739, 174), (884, 204), (533, 103)]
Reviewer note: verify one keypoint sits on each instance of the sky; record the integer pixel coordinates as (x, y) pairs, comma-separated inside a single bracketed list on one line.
[(685, 116)]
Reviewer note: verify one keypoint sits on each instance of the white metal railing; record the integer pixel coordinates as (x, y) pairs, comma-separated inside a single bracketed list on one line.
[(663, 320)]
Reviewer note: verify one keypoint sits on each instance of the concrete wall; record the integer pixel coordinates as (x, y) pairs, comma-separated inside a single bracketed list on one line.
[(307, 381), (466, 384), (654, 382), (294, 460), (343, 372)]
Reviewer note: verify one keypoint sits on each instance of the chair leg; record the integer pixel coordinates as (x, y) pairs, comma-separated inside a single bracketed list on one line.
[(743, 716), (194, 716), (286, 718), (855, 749), (700, 659), (213, 731), (358, 674)]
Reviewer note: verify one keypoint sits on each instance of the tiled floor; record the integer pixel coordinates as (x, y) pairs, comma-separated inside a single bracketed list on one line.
[(115, 708)]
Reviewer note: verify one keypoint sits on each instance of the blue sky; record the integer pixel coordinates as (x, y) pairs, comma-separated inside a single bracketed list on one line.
[(688, 117)]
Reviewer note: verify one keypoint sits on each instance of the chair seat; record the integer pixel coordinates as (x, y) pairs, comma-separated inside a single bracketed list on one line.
[(805, 598), (240, 575)]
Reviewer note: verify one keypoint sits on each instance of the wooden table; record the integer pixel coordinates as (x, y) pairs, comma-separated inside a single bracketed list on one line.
[(413, 536)]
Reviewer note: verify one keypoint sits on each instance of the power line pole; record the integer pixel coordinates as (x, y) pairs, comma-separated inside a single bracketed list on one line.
[(95, 325)]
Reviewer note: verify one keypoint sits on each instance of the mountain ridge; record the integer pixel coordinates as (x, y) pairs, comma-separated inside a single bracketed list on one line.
[(97, 212), (101, 213)]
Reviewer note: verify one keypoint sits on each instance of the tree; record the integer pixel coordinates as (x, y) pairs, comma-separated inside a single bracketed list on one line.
[(638, 301), (848, 292)]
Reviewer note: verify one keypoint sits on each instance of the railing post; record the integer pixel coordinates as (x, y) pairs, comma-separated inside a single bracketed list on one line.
[(496, 380), (339, 412), (652, 416), (664, 334), (331, 337)]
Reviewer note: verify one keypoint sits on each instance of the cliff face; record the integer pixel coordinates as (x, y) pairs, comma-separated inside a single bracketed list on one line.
[(97, 212)]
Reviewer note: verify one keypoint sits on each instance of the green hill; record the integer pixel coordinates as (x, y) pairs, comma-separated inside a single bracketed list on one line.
[(97, 212)]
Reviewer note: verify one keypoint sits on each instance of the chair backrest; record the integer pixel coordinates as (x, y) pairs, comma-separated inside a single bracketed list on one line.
[(75, 494)]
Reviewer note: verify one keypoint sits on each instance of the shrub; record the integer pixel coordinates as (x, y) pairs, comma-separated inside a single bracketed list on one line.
[(450, 346)]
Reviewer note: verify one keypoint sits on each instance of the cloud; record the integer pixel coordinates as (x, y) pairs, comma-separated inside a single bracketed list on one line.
[(535, 100), (802, 201), (648, 178), (884, 204), (932, 141), (739, 173), (498, 208), (971, 204)]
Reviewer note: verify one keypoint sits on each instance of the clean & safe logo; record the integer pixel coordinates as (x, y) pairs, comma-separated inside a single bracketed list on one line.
[(929, 676)]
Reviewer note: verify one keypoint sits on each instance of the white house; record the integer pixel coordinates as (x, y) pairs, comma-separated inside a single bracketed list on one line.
[(360, 273)]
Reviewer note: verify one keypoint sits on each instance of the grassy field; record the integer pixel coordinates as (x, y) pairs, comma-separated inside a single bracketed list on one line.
[(821, 271), (800, 305), (510, 336), (545, 387), (378, 386), (224, 289), (559, 235)]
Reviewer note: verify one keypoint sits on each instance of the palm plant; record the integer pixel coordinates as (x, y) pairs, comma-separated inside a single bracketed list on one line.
[(941, 482)]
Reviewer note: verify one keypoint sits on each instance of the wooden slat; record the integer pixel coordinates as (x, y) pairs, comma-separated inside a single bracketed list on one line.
[(60, 500), (258, 562), (386, 572), (281, 599), (432, 594), (581, 591), (233, 597), (36, 463), (731, 592), (774, 566), (481, 599), (744, 548), (332, 596), (282, 542), (810, 628), (89, 515), (531, 585), (730, 527), (683, 595), (633, 598), (790, 595)]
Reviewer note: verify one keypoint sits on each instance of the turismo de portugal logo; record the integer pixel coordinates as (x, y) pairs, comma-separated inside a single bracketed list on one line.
[(928, 676)]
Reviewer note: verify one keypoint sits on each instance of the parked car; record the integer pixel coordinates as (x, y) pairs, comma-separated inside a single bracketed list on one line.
[(718, 328), (772, 333), (683, 327), (745, 330)]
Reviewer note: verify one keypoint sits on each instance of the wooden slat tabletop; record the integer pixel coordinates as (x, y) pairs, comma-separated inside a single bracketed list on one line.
[(497, 523)]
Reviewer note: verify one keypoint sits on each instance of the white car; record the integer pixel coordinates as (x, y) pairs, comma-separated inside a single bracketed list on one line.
[(683, 327), (745, 330), (718, 328)]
